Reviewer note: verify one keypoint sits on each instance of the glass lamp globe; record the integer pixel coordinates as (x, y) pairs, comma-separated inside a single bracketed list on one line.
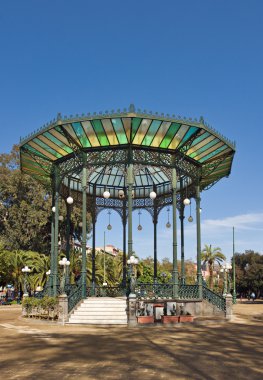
[(109, 227), (187, 201), (80, 224), (69, 200), (153, 194), (190, 219), (139, 227), (61, 218), (168, 225), (106, 194), (121, 194), (53, 209)]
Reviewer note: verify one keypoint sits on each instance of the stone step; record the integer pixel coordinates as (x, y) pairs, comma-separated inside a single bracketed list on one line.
[(102, 312), (97, 317), (100, 322)]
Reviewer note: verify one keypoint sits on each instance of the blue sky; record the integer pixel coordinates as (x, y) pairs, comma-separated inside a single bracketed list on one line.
[(189, 57)]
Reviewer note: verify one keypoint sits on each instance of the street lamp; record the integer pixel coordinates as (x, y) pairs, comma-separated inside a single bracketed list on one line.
[(225, 269), (132, 262), (64, 263), (25, 270)]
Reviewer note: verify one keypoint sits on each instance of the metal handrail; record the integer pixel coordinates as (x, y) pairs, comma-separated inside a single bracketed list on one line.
[(214, 298)]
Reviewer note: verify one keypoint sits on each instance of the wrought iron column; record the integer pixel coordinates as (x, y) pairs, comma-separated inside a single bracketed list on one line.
[(234, 270), (155, 221), (130, 184), (182, 242), (124, 222), (84, 228), (93, 258), (68, 206), (175, 266), (50, 291), (198, 241), (55, 262)]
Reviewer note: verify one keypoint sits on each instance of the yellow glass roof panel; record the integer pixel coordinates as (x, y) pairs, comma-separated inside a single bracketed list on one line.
[(127, 127), (52, 145), (141, 131), (195, 148), (160, 133), (110, 132), (42, 150), (212, 149), (90, 133), (178, 136)]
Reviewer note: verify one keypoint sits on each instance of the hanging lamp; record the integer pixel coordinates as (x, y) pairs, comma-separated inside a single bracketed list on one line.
[(168, 224), (109, 226), (139, 225)]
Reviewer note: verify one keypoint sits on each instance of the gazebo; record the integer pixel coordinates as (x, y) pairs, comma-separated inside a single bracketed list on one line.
[(127, 160)]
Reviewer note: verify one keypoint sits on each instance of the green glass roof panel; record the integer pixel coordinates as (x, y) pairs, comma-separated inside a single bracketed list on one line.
[(201, 138), (47, 148), (81, 134), (151, 132), (56, 141), (88, 128), (188, 135), (100, 132), (204, 148), (164, 127), (36, 152), (173, 129), (119, 130), (110, 132), (218, 150), (136, 121)]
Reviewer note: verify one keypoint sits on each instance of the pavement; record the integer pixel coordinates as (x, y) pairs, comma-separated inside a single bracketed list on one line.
[(35, 349)]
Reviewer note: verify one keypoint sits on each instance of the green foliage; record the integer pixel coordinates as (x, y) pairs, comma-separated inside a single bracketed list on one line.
[(211, 256), (39, 307), (249, 273)]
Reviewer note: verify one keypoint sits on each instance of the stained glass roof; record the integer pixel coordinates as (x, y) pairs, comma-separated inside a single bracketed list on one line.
[(59, 140)]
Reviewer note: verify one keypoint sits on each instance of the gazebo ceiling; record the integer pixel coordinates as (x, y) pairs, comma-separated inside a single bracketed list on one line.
[(64, 138)]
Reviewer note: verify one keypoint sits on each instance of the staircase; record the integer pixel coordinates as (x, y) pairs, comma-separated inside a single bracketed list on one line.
[(100, 311)]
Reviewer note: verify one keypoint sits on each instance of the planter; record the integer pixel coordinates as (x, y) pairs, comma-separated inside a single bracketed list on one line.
[(186, 318), (170, 318), (145, 319)]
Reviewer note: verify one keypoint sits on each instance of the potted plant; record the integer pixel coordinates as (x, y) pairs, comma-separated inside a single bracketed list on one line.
[(172, 318), (185, 316), (145, 319)]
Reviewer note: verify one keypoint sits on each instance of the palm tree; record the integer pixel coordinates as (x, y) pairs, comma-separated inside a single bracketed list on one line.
[(211, 256)]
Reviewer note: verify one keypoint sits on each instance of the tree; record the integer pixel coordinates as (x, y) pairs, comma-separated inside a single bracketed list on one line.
[(211, 256), (249, 273)]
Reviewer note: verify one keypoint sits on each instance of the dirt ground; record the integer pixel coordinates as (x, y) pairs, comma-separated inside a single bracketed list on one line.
[(32, 349)]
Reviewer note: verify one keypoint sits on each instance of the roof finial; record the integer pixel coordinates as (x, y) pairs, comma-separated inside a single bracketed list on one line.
[(132, 108)]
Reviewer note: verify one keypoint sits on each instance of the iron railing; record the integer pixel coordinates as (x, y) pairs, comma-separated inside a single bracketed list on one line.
[(188, 292), (165, 291), (106, 291), (214, 298), (74, 293)]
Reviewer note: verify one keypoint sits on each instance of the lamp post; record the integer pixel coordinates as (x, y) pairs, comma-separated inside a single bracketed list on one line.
[(25, 270), (234, 270), (132, 262), (104, 272), (225, 269), (64, 263)]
